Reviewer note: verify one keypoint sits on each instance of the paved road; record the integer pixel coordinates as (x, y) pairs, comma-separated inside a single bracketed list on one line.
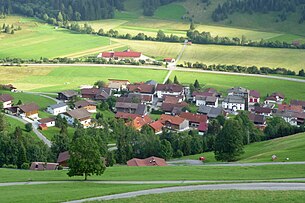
[(200, 163), (39, 135), (161, 68), (233, 186)]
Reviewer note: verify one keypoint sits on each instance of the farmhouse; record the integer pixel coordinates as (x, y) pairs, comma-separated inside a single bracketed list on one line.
[(211, 112), (174, 122), (118, 85), (63, 158), (6, 100), (133, 108), (80, 115), (142, 98), (57, 109), (287, 107), (172, 108), (142, 88), (234, 103), (157, 127), (125, 116), (238, 91), (151, 161), (96, 93), (43, 166), (28, 110), (194, 119), (127, 54), (275, 98), (169, 60), (211, 101), (263, 111), (169, 89), (47, 122), (288, 116), (69, 95), (258, 120), (203, 128), (88, 105), (254, 97)]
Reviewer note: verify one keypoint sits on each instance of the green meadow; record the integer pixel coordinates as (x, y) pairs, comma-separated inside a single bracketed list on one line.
[(13, 123)]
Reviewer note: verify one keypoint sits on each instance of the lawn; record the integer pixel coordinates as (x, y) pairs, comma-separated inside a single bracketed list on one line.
[(245, 56), (50, 132), (125, 173), (228, 196), (291, 147), (13, 123), (170, 11), (292, 90), (64, 192)]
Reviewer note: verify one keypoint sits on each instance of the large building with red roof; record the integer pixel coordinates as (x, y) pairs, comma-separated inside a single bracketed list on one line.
[(151, 161), (121, 55)]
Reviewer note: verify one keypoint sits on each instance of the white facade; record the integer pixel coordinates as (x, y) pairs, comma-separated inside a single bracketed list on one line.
[(57, 110), (161, 93), (201, 102), (233, 106), (70, 121), (7, 104)]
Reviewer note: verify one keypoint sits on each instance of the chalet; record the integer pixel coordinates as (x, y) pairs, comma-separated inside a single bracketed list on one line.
[(170, 99), (174, 122), (127, 54), (118, 85), (258, 120), (275, 98), (238, 91), (143, 98), (300, 118), (211, 112), (94, 93), (48, 122), (289, 107), (157, 127), (140, 121), (169, 89), (254, 97), (69, 95), (63, 158), (194, 119), (141, 88), (57, 109), (28, 110), (173, 109), (133, 108), (43, 166), (298, 103), (169, 60), (211, 101), (234, 103), (151, 161), (262, 111), (88, 105), (6, 100), (80, 115), (288, 116)]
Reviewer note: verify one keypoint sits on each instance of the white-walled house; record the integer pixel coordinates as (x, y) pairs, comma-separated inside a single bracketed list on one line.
[(48, 122), (57, 109), (81, 115), (169, 89), (206, 101), (234, 103), (6, 100)]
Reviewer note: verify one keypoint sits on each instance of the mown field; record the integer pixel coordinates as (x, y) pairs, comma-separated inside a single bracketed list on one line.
[(291, 147), (229, 196), (12, 124)]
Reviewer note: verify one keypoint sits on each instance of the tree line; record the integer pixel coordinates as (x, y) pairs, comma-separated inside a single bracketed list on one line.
[(229, 7)]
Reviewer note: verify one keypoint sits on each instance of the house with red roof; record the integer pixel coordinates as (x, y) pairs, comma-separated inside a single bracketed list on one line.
[(174, 122), (169, 60), (150, 161), (203, 128), (254, 97), (121, 55), (140, 121), (194, 119), (157, 127)]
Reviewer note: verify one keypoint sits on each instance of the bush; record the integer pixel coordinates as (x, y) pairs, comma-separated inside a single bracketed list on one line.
[(25, 166), (60, 167), (28, 127), (178, 153), (9, 166)]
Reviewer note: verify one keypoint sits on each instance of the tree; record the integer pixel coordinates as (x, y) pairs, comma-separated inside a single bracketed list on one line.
[(2, 123), (302, 73), (166, 150), (100, 84), (60, 18), (168, 81), (19, 102), (85, 158), (160, 35), (45, 17), (176, 80), (196, 84), (192, 26), (110, 161), (60, 143), (28, 127), (229, 142)]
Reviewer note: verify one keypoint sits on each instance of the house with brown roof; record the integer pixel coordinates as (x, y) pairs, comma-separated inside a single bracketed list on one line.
[(203, 128), (141, 88), (43, 166), (169, 89), (48, 122), (133, 108), (68, 95), (94, 93), (81, 115), (298, 103), (90, 106), (275, 98), (6, 100), (169, 60), (258, 120), (151, 161), (289, 107), (157, 127), (173, 109), (28, 110), (211, 101), (118, 85), (254, 97), (125, 116), (263, 111), (63, 158), (194, 119), (174, 122)]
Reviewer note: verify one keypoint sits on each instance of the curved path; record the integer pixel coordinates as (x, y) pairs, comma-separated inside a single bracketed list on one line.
[(233, 186), (162, 68)]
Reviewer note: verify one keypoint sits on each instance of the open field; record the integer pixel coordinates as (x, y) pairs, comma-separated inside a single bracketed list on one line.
[(220, 197), (245, 56), (125, 173), (64, 192), (290, 146), (266, 86)]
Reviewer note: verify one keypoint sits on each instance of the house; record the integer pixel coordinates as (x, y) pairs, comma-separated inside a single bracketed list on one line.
[(63, 158), (88, 105), (80, 115), (174, 122), (68, 95), (43, 166), (288, 116), (169, 89), (118, 85), (151, 161), (173, 109), (151, 82), (169, 60), (139, 121), (258, 120), (298, 103), (211, 112), (48, 122), (9, 87), (157, 127), (143, 98), (125, 116), (211, 101), (57, 109), (262, 111), (6, 100), (234, 103), (238, 91), (275, 98), (127, 54), (194, 119), (203, 128), (94, 93), (289, 107), (254, 97), (300, 118), (170, 99), (133, 108), (28, 110), (141, 88)]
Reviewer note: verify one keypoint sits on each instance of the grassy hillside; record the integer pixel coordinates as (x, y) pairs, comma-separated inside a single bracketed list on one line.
[(291, 147), (12, 124)]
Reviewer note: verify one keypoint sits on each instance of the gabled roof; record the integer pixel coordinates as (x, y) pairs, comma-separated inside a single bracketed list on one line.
[(211, 112), (287, 107), (124, 54), (78, 114), (257, 119), (203, 127), (126, 116), (29, 107), (156, 126), (234, 100), (140, 121), (142, 88), (169, 88), (168, 107), (259, 109), (63, 156), (83, 103), (6, 98), (298, 103), (278, 94), (59, 105), (254, 93), (195, 118), (69, 93), (151, 161), (176, 120), (46, 120), (238, 90), (90, 91)]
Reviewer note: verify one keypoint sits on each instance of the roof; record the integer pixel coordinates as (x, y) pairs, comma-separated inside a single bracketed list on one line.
[(63, 156), (203, 94), (287, 107), (6, 98), (90, 91), (254, 93), (124, 54), (259, 109), (298, 102), (169, 88), (29, 107), (172, 99), (46, 120), (168, 107), (157, 126), (140, 121), (79, 114), (59, 105), (69, 93), (278, 94), (83, 103), (168, 59), (207, 98), (238, 90), (211, 112), (203, 127), (116, 84), (234, 99), (142, 88), (195, 118), (139, 108), (257, 119), (125, 116), (176, 120), (151, 82), (151, 161)]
